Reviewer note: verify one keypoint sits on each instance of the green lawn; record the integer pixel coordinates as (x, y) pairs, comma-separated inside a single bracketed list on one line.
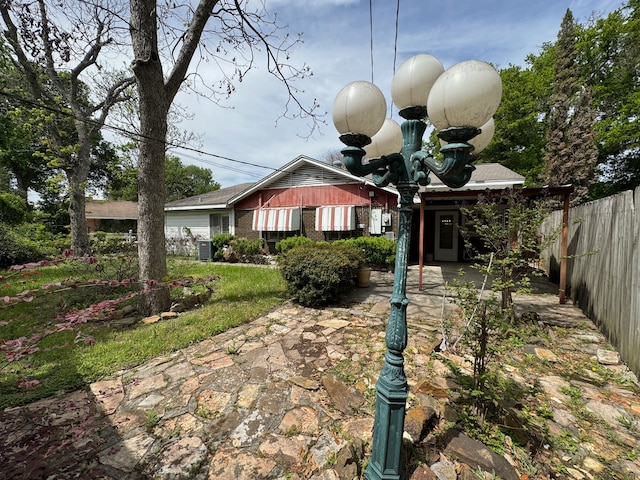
[(241, 294)]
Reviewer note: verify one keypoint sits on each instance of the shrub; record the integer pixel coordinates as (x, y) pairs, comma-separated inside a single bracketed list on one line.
[(319, 274), (15, 249), (379, 252), (246, 247), (220, 241), (102, 243), (48, 244), (288, 243)]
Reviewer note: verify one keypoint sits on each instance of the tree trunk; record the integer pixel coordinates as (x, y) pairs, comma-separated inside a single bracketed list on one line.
[(77, 214), (78, 175), (154, 108)]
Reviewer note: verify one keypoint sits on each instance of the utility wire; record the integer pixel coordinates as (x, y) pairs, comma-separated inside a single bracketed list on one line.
[(138, 136), (371, 35), (395, 50)]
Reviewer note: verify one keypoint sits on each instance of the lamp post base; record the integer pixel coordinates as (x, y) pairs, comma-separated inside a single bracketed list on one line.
[(391, 400)]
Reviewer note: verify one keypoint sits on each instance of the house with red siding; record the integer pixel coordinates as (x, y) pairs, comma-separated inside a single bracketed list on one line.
[(311, 198), (325, 202)]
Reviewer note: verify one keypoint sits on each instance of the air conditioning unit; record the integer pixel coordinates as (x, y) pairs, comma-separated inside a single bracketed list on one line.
[(205, 250)]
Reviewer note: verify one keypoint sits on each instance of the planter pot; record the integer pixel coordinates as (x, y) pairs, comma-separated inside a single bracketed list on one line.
[(364, 276)]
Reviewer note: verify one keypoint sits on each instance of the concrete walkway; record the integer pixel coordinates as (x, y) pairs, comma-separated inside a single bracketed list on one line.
[(291, 396)]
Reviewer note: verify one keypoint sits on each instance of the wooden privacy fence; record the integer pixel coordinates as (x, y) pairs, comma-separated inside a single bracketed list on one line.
[(603, 267)]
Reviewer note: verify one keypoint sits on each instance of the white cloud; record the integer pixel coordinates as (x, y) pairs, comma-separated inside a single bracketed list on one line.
[(337, 48)]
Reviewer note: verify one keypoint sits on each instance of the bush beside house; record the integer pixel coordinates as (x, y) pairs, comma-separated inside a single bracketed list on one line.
[(321, 273)]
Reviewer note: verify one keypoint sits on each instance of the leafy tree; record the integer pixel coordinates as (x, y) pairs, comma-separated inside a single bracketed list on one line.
[(181, 181), (502, 232), (610, 60), (122, 176), (20, 132), (605, 66), (235, 31), (13, 209), (518, 141), (184, 181), (57, 44)]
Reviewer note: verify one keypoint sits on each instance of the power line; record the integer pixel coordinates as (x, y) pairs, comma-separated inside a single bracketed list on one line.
[(395, 49), (371, 35), (138, 136)]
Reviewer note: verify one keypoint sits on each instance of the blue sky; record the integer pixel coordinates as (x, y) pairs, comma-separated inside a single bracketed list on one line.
[(337, 47)]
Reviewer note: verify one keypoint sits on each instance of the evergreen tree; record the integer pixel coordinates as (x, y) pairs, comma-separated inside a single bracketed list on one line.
[(571, 154), (582, 150)]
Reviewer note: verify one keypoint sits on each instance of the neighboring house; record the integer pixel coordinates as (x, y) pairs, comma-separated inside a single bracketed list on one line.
[(202, 216), (325, 202), (113, 217)]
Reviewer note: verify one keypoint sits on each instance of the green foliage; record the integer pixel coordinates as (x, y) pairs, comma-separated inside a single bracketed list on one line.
[(102, 243), (220, 241), (248, 247), (320, 274), (502, 232), (187, 181), (181, 181), (483, 323), (15, 249), (570, 152), (379, 252), (48, 243), (519, 137), (600, 57), (290, 242), (13, 209)]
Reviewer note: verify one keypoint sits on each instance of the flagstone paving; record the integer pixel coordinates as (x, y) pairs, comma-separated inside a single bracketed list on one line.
[(291, 396)]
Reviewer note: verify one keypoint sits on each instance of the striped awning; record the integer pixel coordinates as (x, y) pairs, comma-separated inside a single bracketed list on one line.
[(276, 219), (336, 218)]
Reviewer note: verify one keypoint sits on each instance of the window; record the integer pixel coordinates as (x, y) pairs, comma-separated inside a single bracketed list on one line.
[(275, 237), (332, 236), (219, 223)]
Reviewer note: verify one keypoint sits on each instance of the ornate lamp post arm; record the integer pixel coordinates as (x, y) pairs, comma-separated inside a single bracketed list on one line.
[(407, 167)]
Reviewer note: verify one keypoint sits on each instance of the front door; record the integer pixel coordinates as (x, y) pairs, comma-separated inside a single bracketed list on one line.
[(446, 241)]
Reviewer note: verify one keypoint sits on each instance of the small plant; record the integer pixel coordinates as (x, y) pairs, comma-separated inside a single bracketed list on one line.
[(287, 244), (379, 252), (203, 412), (233, 349), (172, 433), (219, 242), (152, 418), (339, 431), (566, 442), (503, 233), (574, 393), (632, 455), (292, 431), (545, 411), (626, 422)]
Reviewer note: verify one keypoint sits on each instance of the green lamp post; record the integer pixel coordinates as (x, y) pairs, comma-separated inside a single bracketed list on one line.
[(460, 102)]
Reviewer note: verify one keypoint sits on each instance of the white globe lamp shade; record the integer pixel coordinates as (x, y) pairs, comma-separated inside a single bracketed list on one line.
[(359, 108), (412, 82), (388, 140), (481, 140), (465, 95)]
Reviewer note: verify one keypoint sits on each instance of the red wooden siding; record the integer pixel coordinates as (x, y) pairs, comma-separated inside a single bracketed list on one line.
[(317, 196)]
